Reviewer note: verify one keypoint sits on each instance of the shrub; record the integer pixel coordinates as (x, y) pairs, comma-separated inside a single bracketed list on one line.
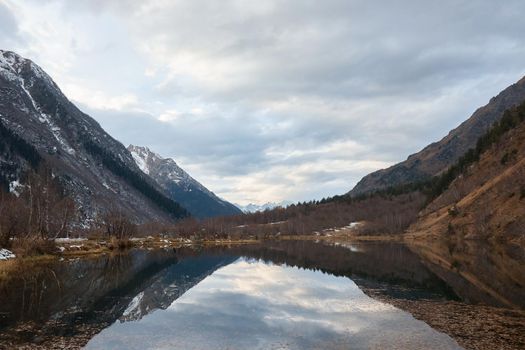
[(508, 156), (118, 228), (453, 211)]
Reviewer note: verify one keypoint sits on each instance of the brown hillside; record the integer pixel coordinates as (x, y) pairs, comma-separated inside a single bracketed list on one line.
[(486, 202)]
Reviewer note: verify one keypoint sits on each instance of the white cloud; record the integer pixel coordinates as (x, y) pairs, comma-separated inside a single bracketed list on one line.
[(99, 99)]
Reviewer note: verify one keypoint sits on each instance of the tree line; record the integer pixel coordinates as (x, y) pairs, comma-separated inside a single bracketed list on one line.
[(383, 214), (35, 213)]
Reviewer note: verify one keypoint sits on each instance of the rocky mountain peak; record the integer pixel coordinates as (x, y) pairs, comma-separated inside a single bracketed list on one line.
[(182, 188), (17, 68), (143, 156), (152, 163)]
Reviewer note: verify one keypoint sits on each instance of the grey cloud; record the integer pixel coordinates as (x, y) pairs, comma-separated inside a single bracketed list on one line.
[(8, 27), (342, 49)]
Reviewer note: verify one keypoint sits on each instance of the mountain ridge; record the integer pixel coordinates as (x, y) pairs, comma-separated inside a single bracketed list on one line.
[(180, 186), (438, 156), (41, 127)]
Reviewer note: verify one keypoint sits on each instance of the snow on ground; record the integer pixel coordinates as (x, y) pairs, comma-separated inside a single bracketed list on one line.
[(69, 240), (6, 254), (353, 225), (276, 222)]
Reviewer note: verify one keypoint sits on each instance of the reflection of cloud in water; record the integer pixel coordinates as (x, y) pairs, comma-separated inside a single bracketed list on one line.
[(252, 305)]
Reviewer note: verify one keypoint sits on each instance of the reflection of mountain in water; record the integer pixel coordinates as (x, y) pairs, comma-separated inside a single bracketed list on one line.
[(83, 296), (174, 281)]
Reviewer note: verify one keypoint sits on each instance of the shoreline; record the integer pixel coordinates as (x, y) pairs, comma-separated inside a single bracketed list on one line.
[(77, 247)]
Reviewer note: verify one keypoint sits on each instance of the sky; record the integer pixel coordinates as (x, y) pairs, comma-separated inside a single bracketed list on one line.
[(278, 99)]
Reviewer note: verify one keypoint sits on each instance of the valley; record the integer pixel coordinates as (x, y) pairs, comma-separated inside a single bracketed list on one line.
[(104, 246)]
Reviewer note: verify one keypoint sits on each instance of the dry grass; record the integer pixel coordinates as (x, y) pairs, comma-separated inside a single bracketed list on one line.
[(6, 268), (32, 246)]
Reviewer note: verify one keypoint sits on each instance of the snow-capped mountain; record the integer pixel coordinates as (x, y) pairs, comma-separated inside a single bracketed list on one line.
[(39, 127), (180, 186), (253, 208)]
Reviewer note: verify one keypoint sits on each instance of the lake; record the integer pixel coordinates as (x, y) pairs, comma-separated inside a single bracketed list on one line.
[(274, 295)]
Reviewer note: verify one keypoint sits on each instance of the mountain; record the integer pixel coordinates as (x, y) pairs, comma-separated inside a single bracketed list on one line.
[(253, 208), (438, 156), (41, 128), (180, 186), (487, 198)]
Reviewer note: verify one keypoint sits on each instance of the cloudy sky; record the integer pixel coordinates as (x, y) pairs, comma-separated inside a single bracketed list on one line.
[(274, 100)]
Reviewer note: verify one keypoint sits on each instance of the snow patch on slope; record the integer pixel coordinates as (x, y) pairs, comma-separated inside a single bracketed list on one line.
[(141, 161), (15, 188)]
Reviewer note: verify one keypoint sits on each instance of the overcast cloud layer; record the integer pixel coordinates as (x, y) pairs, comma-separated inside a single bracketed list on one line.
[(272, 100)]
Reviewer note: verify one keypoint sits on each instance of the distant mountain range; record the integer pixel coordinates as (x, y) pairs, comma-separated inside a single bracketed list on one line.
[(180, 186), (438, 156), (253, 208)]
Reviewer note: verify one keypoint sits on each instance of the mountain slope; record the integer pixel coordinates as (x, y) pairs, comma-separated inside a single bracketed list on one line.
[(438, 156), (488, 199), (180, 186), (41, 127)]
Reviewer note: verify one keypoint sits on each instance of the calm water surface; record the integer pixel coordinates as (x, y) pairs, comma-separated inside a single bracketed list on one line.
[(250, 304), (287, 295)]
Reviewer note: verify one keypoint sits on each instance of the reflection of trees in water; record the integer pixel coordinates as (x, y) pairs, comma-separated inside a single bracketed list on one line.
[(78, 289), (28, 287), (478, 271)]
